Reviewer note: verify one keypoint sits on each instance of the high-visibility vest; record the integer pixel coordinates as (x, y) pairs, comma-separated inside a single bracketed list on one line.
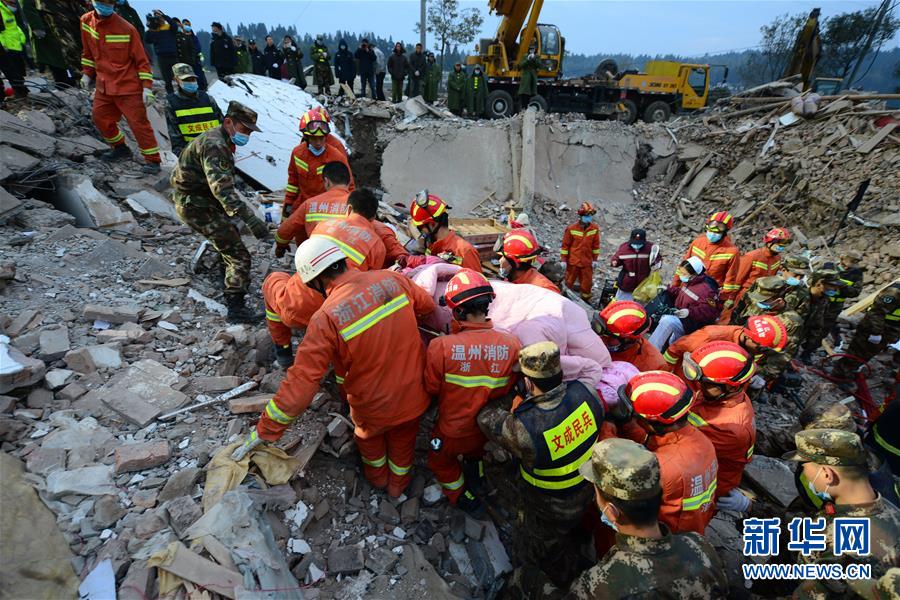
[(194, 116), (562, 437)]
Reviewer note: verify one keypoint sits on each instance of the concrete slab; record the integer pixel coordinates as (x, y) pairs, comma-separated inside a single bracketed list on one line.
[(10, 206), (91, 208), (144, 382), (15, 132), (154, 203), (16, 160)]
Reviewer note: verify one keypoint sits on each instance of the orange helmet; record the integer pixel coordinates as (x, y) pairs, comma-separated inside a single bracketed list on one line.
[(723, 217), (426, 208), (467, 285), (586, 208), (777, 234), (315, 122), (622, 319), (519, 246), (767, 331), (724, 363), (658, 396)]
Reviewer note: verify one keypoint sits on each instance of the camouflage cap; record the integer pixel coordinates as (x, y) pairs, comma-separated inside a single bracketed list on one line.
[(832, 447), (540, 360), (795, 264), (828, 276), (182, 71), (622, 469), (827, 414), (765, 288), (245, 115)]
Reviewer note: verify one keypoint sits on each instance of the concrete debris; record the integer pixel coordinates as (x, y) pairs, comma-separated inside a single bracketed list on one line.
[(91, 358), (151, 202), (346, 559), (141, 456), (92, 208), (112, 314), (86, 481)]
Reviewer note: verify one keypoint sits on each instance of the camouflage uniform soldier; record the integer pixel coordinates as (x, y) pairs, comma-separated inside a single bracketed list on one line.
[(658, 564), (63, 22), (835, 464), (823, 286), (794, 269), (205, 199), (851, 278), (879, 328)]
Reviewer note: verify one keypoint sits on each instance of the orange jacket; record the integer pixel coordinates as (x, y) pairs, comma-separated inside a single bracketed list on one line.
[(721, 262), (113, 55), (300, 224), (305, 173), (687, 474), (753, 265), (580, 245), (392, 246), (357, 238), (465, 370), (731, 427), (534, 278), (642, 355), (335, 143), (364, 314), (464, 253), (690, 342)]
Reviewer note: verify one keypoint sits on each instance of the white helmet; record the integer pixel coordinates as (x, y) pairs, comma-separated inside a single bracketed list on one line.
[(315, 255), (696, 264)]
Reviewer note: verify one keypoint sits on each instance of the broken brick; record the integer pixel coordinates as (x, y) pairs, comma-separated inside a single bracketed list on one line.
[(144, 455)]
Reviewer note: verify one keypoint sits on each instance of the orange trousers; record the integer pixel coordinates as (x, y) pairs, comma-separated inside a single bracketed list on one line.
[(585, 277), (387, 456), (289, 305), (107, 112), (445, 463)]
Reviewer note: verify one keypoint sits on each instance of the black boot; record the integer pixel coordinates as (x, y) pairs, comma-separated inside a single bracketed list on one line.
[(473, 470), (471, 505), (284, 355), (238, 311), (119, 152)]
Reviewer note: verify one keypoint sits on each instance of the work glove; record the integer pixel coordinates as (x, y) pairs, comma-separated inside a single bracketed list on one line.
[(201, 57), (563, 263), (656, 266), (274, 65), (734, 501), (292, 80), (593, 263), (280, 249), (416, 73), (681, 313), (244, 449), (286, 210), (622, 411), (86, 82), (411, 261), (39, 33), (149, 98), (729, 303), (757, 383), (874, 339), (257, 227)]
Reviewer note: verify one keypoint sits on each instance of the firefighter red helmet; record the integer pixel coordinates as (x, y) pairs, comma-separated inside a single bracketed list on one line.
[(315, 122), (467, 285), (767, 331), (623, 319), (777, 234), (725, 363), (426, 208), (658, 396), (586, 208), (723, 217), (519, 246)]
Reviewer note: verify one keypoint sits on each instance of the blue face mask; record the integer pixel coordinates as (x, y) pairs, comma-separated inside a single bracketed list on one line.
[(714, 237), (188, 28), (315, 151), (684, 278), (823, 496), (792, 281), (831, 293), (240, 139), (764, 305), (777, 248), (587, 219), (190, 87), (607, 522), (636, 246), (120, 2), (104, 10)]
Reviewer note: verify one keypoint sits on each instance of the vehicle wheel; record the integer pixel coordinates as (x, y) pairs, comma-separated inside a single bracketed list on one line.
[(629, 115), (500, 105), (657, 112), (539, 102)]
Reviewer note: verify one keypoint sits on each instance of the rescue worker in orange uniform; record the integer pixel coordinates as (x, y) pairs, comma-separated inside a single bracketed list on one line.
[(113, 60), (430, 215), (759, 333), (687, 459), (308, 160), (720, 256), (364, 313), (580, 250), (394, 250), (290, 304), (758, 263), (464, 370), (621, 326), (517, 256), (719, 373), (330, 204), (331, 139)]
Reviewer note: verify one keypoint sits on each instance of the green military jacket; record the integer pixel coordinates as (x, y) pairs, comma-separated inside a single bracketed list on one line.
[(456, 90), (528, 82), (205, 173), (883, 317)]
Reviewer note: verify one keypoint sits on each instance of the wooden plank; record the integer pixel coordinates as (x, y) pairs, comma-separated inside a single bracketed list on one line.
[(873, 141), (866, 302)]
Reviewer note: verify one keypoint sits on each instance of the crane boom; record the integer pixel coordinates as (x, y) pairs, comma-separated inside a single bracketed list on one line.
[(515, 13)]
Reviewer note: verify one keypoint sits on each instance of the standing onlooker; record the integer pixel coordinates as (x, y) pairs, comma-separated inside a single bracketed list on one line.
[(528, 68), (380, 72), (416, 71), (322, 75), (432, 79), (344, 67), (221, 51), (476, 93), (256, 58), (274, 58), (45, 45), (12, 48), (366, 58), (161, 35), (242, 63), (397, 66), (189, 51), (292, 67), (456, 89)]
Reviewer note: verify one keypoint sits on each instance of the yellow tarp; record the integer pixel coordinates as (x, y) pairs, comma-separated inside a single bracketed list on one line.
[(224, 474)]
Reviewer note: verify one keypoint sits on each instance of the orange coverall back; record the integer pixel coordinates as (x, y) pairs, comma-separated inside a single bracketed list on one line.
[(534, 278), (731, 427), (463, 252), (331, 204), (753, 265), (580, 247), (392, 246), (305, 173), (642, 354), (721, 261), (688, 343)]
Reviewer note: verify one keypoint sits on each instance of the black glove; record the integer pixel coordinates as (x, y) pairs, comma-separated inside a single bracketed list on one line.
[(622, 411), (280, 249), (286, 210), (257, 227)]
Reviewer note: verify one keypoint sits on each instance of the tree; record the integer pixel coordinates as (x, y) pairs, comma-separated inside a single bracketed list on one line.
[(451, 25), (844, 35), (774, 54)]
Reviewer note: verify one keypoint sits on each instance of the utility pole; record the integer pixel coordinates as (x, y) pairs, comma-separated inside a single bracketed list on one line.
[(870, 37), (422, 4)]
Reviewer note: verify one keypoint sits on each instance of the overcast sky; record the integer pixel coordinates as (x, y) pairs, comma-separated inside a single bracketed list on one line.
[(589, 26)]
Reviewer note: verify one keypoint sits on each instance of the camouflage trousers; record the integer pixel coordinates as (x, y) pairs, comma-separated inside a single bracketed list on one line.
[(210, 221), (861, 347)]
